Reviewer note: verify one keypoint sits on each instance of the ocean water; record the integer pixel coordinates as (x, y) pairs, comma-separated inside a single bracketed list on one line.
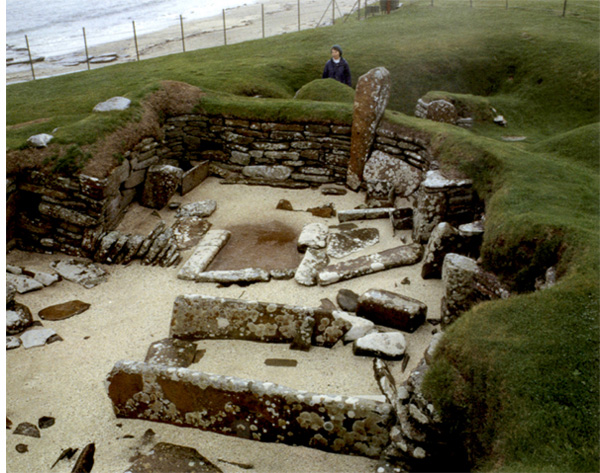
[(54, 27)]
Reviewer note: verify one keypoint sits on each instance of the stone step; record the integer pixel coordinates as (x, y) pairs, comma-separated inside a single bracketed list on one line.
[(400, 256)]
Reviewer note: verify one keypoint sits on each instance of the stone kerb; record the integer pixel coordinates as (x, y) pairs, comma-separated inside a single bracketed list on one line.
[(249, 409)]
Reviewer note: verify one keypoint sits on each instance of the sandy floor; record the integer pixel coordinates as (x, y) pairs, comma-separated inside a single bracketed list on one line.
[(242, 23), (133, 308)]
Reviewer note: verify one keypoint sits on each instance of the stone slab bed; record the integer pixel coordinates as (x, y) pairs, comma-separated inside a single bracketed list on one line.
[(197, 317), (249, 409), (395, 257)]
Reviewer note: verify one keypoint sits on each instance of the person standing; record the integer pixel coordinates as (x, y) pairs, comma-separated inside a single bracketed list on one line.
[(337, 67)]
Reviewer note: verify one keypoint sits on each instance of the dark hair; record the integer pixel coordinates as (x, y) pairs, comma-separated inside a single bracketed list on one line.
[(337, 47)]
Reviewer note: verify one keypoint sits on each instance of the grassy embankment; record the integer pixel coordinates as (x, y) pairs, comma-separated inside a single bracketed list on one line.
[(519, 378)]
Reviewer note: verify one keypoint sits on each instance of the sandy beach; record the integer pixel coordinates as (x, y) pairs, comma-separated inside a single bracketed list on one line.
[(243, 23), (133, 308)]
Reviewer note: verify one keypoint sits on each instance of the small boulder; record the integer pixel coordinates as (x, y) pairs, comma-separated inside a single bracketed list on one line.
[(392, 310), (12, 342), (81, 272), (170, 458), (360, 326), (40, 141), (314, 261), (37, 337), (284, 204), (23, 283), (347, 300), (404, 178), (313, 235), (25, 428), (389, 345), (64, 310), (202, 209), (347, 242), (18, 319), (112, 104), (270, 173), (171, 352)]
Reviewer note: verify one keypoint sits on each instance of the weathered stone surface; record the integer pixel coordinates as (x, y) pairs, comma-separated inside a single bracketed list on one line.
[(388, 345), (18, 318), (238, 407), (360, 326), (387, 384), (400, 256), (383, 167), (46, 279), (284, 204), (308, 270), (402, 218), (204, 317), (131, 248), (40, 140), (25, 428), (303, 338), (85, 461), (188, 231), (64, 310), (324, 211), (444, 239), (23, 283), (435, 340), (207, 249), (371, 99), (333, 190), (273, 173), (472, 234), (12, 342), (380, 193), (466, 284), (346, 242), (194, 177), (234, 276), (81, 272), (161, 242), (392, 310), (171, 352), (169, 458), (112, 104), (161, 184), (283, 274), (36, 337), (347, 300), (65, 214), (313, 235), (11, 291), (149, 240), (364, 214), (106, 244), (437, 110), (203, 209)]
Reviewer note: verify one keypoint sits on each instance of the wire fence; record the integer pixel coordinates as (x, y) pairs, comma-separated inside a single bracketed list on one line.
[(138, 41)]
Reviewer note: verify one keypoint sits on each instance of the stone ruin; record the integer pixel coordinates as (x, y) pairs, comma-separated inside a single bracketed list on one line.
[(78, 216)]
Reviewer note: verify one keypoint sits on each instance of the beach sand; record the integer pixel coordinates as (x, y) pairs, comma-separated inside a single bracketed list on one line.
[(66, 379), (243, 23)]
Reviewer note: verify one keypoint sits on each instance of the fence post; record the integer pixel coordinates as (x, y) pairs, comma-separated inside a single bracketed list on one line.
[(137, 51), (30, 60), (298, 15), (182, 35), (87, 56), (564, 8), (224, 29), (262, 17)]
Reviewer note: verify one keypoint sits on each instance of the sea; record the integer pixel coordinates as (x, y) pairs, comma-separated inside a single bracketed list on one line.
[(54, 28)]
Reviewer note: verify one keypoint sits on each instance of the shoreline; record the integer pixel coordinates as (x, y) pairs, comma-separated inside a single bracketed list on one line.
[(244, 23)]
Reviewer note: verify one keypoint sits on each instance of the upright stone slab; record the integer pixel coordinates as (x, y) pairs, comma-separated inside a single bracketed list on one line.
[(371, 99), (198, 317), (249, 409), (308, 270), (369, 264), (205, 252), (444, 239), (466, 284), (162, 181), (392, 310), (383, 167)]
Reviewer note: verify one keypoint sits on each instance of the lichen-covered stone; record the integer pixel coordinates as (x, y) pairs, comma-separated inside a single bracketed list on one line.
[(162, 181), (314, 261), (382, 167), (234, 276), (392, 310), (400, 256), (171, 352), (249, 409), (203, 209), (388, 345), (444, 239), (364, 214), (313, 235), (346, 242), (197, 317), (210, 244), (18, 318), (274, 173), (23, 283), (81, 272)]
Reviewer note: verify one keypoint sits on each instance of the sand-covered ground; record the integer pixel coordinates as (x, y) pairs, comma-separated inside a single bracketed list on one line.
[(133, 308), (243, 23)]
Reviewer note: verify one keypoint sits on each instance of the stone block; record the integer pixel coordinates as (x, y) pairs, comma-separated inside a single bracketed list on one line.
[(194, 176), (313, 235), (364, 214), (171, 352), (392, 310), (197, 317), (207, 249), (162, 181), (239, 407)]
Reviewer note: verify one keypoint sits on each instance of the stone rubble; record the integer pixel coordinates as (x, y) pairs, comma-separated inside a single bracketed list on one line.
[(392, 310), (81, 272)]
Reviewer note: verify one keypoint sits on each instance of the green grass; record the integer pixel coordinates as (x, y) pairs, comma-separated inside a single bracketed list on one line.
[(517, 380)]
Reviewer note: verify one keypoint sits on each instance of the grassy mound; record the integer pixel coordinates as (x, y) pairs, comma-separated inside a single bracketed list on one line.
[(326, 90), (518, 379)]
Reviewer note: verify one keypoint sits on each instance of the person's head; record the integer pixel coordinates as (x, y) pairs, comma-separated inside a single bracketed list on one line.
[(336, 52)]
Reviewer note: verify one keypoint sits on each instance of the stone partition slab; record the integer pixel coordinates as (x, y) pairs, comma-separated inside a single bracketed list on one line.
[(249, 409), (197, 317), (369, 264), (205, 252)]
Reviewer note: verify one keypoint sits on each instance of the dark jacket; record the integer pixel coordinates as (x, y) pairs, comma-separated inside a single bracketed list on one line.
[(339, 71)]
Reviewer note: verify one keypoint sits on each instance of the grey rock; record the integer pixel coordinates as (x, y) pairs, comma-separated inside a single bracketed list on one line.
[(36, 337), (171, 352), (200, 209), (444, 239), (313, 235), (25, 428), (283, 274), (389, 345), (405, 178), (275, 173), (207, 249), (40, 140), (162, 182), (112, 104), (392, 310), (18, 319), (23, 283), (364, 214), (346, 242), (46, 279), (314, 261), (333, 190), (236, 276), (11, 291), (360, 326), (81, 272), (188, 231), (347, 300), (12, 342), (13, 269)]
